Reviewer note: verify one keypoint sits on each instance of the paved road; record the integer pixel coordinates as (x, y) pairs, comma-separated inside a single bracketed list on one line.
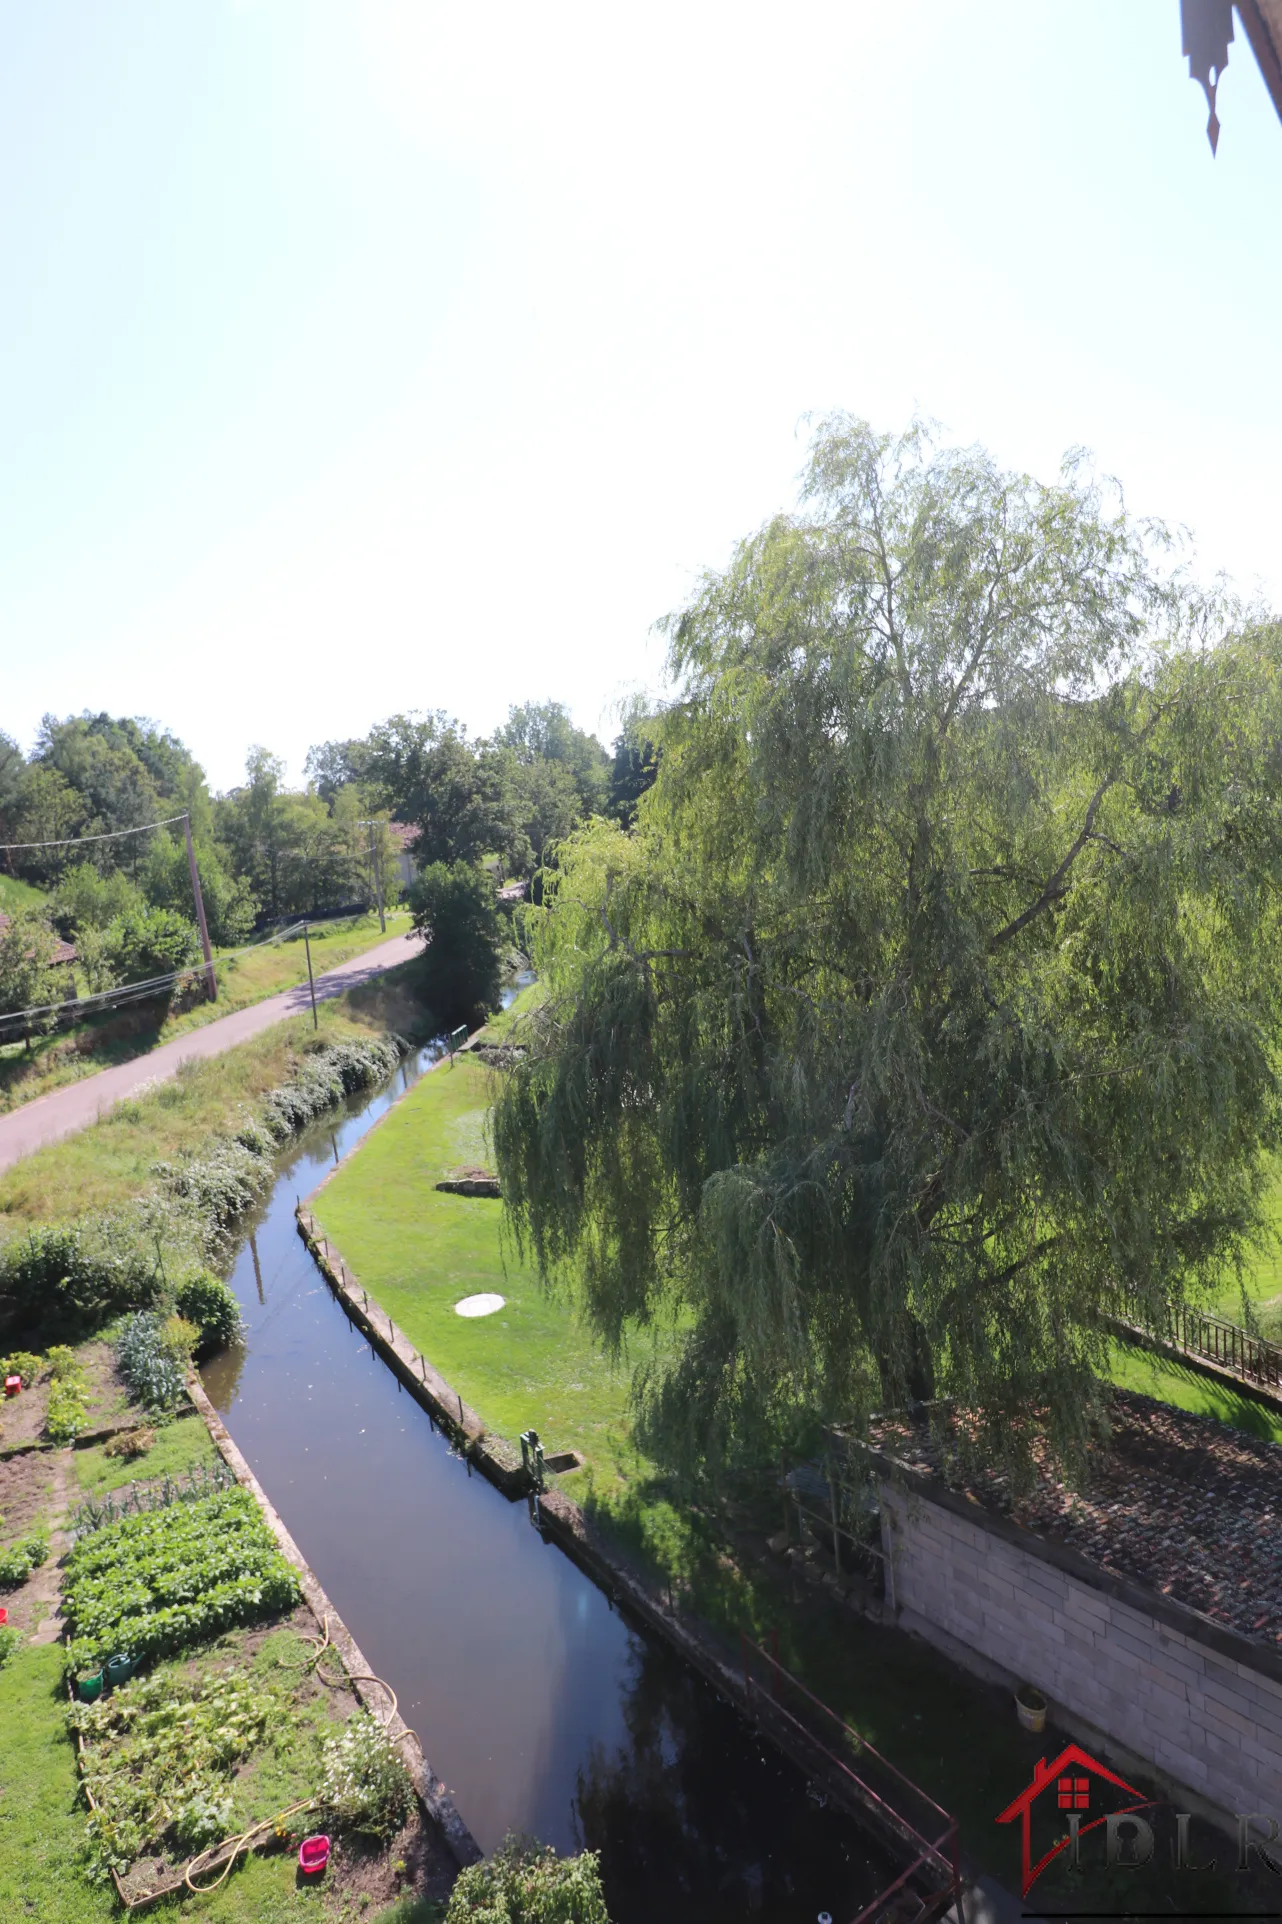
[(64, 1111)]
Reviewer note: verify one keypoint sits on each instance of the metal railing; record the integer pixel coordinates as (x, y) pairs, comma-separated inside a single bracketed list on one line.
[(1251, 1357), (909, 1821), (1198, 1332)]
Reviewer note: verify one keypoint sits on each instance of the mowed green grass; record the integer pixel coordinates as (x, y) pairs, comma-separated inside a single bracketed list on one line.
[(179, 1448), (420, 1252)]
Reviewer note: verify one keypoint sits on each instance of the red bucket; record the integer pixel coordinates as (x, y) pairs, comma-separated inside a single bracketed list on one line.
[(4, 1617), (313, 1855), (12, 1384)]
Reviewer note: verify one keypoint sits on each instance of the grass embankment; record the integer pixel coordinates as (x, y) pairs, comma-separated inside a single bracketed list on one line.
[(419, 1251), (122, 1036), (112, 1161), (16, 896)]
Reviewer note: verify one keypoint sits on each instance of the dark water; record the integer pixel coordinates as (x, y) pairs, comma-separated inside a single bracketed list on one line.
[(539, 1706)]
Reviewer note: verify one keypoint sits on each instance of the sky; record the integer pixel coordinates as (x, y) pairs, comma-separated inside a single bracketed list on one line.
[(367, 356)]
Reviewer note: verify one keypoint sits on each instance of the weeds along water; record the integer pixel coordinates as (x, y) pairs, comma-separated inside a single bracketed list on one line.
[(539, 1706)]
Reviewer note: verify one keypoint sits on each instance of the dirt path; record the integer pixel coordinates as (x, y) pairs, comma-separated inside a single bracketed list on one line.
[(64, 1111)]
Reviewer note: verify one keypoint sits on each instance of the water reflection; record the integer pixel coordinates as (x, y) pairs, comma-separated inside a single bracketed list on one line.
[(697, 1820)]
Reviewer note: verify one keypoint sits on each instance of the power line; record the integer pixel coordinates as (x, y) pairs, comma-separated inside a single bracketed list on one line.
[(74, 841), (137, 991)]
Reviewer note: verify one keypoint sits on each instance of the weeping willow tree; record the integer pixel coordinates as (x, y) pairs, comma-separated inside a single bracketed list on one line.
[(931, 1009)]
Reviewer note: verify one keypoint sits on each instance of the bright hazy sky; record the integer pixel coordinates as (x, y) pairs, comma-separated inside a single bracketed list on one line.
[(357, 357)]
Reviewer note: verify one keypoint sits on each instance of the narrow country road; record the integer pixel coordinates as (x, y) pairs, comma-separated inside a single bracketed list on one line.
[(64, 1111)]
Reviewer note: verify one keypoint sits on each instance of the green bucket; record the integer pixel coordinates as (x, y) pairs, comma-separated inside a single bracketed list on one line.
[(89, 1686)]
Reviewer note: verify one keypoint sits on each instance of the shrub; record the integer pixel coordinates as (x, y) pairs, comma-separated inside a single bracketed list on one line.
[(10, 1638), (525, 1882), (364, 1784), (23, 1555), (221, 1184), (72, 1276), (87, 900), (205, 1300), (147, 942), (152, 1353)]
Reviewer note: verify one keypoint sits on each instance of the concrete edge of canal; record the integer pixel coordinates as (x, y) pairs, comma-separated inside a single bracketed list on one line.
[(435, 1798)]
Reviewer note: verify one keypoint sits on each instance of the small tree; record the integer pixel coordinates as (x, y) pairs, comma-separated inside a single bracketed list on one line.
[(454, 907), (27, 979)]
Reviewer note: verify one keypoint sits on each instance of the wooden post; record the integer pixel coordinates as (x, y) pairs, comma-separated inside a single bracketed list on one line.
[(311, 980), (211, 984)]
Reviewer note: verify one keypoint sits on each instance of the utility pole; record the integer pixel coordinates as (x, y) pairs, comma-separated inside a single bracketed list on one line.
[(378, 878), (211, 984), (311, 980)]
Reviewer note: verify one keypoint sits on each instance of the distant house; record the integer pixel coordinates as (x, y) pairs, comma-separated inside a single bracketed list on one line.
[(63, 953), (403, 838)]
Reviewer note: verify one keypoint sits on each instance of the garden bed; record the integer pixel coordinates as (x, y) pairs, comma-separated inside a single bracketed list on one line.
[(205, 1747)]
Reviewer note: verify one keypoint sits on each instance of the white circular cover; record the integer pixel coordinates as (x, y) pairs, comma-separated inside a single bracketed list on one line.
[(479, 1305)]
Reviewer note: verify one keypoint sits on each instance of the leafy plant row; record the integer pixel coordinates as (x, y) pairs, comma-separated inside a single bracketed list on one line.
[(158, 1583)]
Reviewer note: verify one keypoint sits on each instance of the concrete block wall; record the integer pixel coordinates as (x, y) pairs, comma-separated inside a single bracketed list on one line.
[(1198, 1703)]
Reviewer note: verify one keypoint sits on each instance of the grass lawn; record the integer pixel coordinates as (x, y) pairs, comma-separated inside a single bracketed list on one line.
[(112, 1160), (1171, 1381), (420, 1252), (179, 1447), (123, 1036)]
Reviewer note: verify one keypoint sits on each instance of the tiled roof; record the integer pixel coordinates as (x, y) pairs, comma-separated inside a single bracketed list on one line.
[(1186, 1505), (63, 951)]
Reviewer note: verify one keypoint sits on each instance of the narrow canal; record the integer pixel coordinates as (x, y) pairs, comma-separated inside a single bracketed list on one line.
[(539, 1706)]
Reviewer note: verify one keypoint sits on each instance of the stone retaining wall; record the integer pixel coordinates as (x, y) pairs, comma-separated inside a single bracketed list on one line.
[(1199, 1703)]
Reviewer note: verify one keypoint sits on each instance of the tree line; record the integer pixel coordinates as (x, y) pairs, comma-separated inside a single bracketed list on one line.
[(265, 850)]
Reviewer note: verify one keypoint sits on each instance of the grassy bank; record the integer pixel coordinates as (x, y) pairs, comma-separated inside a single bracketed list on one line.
[(124, 1035), (421, 1251)]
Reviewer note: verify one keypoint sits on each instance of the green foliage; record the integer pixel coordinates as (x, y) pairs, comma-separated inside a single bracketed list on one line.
[(633, 770), (159, 1758), (24, 1363), (27, 979), (208, 1302), (936, 990), (364, 1786), (145, 943), (525, 1882), (68, 1395), (165, 881), (72, 1276), (22, 1556), (452, 791), (163, 1581), (87, 898), (462, 965), (10, 1638), (153, 1352)]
